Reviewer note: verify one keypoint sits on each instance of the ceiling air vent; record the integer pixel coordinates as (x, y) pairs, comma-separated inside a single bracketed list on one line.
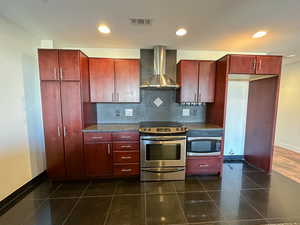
[(140, 21)]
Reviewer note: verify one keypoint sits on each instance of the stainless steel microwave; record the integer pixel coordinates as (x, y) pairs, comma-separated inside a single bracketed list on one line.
[(204, 146)]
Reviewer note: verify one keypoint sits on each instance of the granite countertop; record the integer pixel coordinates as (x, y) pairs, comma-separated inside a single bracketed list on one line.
[(202, 126), (113, 127), (116, 127)]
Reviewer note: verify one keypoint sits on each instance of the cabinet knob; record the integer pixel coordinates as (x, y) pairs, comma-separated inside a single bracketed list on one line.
[(203, 165), (126, 170), (126, 157), (108, 149)]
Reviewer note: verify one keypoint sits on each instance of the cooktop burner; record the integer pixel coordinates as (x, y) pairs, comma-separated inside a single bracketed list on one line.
[(161, 127)]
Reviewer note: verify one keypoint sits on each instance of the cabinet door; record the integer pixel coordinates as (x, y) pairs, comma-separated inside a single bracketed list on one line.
[(188, 79), (242, 64), (127, 80), (98, 160), (50, 92), (269, 65), (72, 126), (102, 79), (69, 65), (48, 64), (207, 73)]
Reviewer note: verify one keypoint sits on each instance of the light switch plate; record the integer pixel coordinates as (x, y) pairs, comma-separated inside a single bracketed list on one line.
[(185, 112), (128, 112)]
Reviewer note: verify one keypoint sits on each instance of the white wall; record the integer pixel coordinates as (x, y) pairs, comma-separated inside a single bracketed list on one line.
[(288, 117), (236, 114), (21, 135)]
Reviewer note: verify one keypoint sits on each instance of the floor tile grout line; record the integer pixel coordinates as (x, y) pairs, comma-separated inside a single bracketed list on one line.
[(180, 206), (76, 203), (110, 205), (251, 205)]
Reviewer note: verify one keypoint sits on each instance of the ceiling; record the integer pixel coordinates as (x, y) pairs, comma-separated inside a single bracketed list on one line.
[(212, 24)]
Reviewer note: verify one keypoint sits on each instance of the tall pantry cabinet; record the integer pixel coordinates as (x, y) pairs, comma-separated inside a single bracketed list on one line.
[(64, 76)]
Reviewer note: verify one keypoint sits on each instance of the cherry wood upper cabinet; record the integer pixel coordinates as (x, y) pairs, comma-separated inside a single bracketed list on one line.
[(98, 160), (69, 65), (269, 65), (114, 80), (242, 64), (102, 79), (53, 129), (48, 64), (72, 126), (197, 81), (207, 74), (255, 64), (187, 77), (127, 80)]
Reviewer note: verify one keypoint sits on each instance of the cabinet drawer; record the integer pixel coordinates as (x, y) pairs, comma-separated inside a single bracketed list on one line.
[(126, 157), (126, 136), (94, 137), (203, 165), (126, 170), (126, 146)]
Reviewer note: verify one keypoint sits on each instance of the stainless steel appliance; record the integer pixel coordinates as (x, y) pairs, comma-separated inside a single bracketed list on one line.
[(204, 142), (163, 151)]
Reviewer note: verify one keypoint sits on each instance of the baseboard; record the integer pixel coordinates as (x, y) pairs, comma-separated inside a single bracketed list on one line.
[(289, 147), (228, 158), (14, 197)]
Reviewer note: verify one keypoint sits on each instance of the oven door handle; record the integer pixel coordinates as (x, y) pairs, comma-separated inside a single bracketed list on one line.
[(169, 170), (163, 139)]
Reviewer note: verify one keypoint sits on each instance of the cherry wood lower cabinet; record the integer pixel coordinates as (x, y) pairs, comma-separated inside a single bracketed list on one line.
[(98, 160), (113, 154), (198, 165)]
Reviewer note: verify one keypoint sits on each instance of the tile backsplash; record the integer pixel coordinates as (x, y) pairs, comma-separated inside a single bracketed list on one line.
[(147, 110)]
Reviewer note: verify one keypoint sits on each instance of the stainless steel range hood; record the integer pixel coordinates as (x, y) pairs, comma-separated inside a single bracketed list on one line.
[(160, 79)]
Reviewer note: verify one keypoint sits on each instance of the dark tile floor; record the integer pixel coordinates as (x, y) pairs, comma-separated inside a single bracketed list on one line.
[(242, 196)]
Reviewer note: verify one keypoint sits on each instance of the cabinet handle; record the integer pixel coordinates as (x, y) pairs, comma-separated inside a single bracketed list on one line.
[(203, 165), (58, 131), (61, 73), (254, 65), (97, 137), (259, 64), (195, 97), (55, 73), (118, 97), (199, 98), (126, 170), (126, 157), (108, 149), (125, 146), (125, 136), (65, 131)]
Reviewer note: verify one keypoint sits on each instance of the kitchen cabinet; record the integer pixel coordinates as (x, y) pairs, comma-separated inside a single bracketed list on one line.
[(59, 64), (127, 80), (53, 126), (98, 159), (113, 154), (48, 64), (102, 80), (255, 64), (198, 165), (197, 81), (64, 106), (114, 80), (268, 65)]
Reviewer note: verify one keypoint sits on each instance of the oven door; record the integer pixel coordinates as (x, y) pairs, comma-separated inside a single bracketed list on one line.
[(204, 146), (162, 151)]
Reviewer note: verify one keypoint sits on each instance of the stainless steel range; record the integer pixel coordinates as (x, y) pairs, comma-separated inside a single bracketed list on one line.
[(163, 151)]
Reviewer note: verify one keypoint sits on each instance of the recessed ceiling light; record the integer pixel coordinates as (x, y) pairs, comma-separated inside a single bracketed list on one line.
[(259, 34), (181, 32), (104, 29)]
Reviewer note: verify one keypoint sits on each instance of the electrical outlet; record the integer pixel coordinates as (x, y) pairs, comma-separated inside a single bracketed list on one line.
[(117, 113), (128, 112), (185, 112)]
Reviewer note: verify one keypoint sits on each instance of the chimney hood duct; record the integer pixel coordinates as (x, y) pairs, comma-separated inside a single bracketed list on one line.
[(160, 79)]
